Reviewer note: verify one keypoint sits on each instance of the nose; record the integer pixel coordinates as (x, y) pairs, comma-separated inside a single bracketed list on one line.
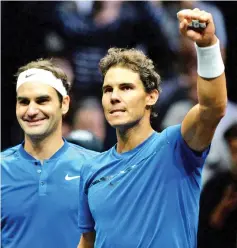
[(115, 97), (32, 110)]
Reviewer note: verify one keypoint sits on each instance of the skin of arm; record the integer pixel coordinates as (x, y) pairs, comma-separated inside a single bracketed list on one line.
[(87, 240)]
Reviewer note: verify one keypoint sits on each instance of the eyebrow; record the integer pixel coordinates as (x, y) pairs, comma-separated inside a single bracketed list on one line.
[(120, 84), (43, 97), (126, 84), (20, 98)]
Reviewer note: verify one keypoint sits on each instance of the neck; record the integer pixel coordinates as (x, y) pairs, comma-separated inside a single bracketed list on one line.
[(133, 136), (43, 148)]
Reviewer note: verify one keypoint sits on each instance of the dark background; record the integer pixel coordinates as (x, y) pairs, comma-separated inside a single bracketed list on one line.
[(23, 27)]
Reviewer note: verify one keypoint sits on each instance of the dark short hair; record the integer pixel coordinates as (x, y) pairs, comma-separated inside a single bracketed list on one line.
[(137, 61)]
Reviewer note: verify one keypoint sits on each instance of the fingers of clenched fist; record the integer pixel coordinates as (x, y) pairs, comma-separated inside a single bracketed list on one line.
[(195, 14), (196, 24)]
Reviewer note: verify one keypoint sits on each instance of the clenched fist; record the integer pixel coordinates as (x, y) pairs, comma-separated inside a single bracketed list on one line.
[(203, 37)]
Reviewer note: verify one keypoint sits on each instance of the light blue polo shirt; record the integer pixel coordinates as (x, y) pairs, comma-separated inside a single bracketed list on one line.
[(144, 198), (40, 202)]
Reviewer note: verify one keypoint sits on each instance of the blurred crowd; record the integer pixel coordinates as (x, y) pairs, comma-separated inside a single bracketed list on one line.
[(77, 34)]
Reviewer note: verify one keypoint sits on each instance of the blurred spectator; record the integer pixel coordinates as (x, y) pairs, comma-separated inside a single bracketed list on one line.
[(85, 139), (66, 66), (180, 94), (219, 157), (87, 35), (89, 116), (218, 203)]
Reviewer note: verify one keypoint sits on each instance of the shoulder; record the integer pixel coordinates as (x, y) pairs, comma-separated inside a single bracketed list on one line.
[(96, 163), (172, 133), (177, 143), (9, 156), (175, 139), (9, 152), (169, 137)]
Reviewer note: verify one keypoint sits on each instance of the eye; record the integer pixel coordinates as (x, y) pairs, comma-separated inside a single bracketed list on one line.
[(42, 100), (126, 87), (107, 90), (23, 102)]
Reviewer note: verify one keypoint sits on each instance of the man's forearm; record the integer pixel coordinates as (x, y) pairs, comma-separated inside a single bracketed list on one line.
[(212, 97)]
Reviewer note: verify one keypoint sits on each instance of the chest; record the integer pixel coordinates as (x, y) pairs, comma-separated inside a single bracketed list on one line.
[(152, 180), (30, 189)]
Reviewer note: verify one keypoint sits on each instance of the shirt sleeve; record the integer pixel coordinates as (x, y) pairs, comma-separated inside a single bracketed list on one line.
[(184, 153), (85, 219)]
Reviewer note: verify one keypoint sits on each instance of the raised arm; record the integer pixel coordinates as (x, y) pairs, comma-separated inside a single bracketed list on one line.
[(200, 123)]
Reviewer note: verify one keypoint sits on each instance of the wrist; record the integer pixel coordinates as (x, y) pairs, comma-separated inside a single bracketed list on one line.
[(209, 60), (211, 42)]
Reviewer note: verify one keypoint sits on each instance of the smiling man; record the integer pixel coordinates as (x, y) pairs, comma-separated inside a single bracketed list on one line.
[(144, 192), (40, 177)]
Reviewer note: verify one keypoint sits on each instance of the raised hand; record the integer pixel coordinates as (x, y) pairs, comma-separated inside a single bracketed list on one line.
[(202, 36)]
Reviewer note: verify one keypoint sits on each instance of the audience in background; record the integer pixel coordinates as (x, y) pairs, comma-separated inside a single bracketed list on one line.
[(218, 203), (89, 116)]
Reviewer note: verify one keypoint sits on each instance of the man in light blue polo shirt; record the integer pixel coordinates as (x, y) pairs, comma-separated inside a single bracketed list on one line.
[(40, 177)]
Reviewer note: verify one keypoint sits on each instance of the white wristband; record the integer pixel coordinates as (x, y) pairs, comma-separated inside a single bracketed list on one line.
[(209, 61)]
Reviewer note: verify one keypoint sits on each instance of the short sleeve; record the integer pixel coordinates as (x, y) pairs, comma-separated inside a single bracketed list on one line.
[(183, 151)]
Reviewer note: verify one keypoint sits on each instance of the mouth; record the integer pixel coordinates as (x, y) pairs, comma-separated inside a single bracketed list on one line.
[(117, 111), (34, 122)]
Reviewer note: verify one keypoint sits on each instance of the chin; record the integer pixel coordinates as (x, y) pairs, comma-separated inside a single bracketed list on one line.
[(116, 121), (122, 124), (115, 124), (35, 134)]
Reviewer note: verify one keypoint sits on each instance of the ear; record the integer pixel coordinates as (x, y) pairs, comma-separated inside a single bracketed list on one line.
[(65, 104), (152, 97)]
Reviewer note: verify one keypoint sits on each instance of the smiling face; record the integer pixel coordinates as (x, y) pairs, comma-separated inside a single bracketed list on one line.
[(124, 98), (38, 109)]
